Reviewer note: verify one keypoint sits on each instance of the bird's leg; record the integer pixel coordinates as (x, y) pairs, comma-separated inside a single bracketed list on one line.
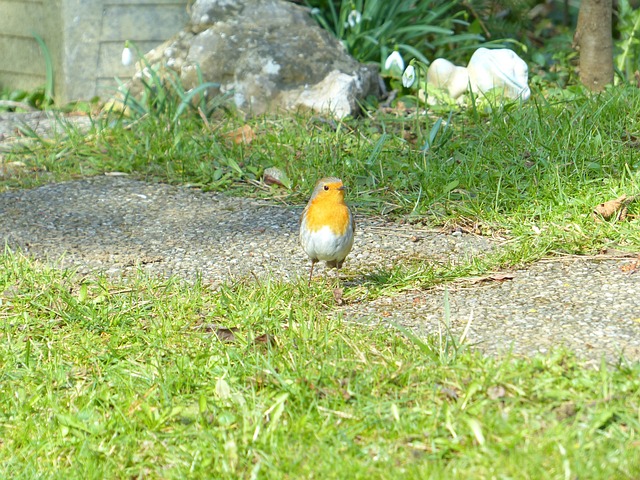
[(313, 262), (338, 280), (338, 268)]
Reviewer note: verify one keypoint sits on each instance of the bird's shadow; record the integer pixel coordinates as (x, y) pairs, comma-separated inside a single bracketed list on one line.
[(397, 276)]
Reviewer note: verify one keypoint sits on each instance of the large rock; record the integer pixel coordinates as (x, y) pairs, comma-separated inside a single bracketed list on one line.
[(270, 53)]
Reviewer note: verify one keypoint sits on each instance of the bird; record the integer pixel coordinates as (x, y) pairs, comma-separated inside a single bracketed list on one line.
[(327, 225)]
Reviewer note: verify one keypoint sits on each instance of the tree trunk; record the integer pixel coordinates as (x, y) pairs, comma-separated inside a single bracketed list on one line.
[(594, 43)]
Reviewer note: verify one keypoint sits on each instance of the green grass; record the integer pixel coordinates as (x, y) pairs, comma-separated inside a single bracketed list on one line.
[(130, 380)]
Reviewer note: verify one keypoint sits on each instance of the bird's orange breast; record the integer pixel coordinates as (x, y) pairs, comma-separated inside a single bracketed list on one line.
[(335, 215)]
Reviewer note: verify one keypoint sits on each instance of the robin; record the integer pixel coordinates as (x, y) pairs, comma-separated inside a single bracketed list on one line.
[(327, 225)]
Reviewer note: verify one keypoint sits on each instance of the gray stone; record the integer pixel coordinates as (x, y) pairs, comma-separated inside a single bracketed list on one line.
[(270, 54)]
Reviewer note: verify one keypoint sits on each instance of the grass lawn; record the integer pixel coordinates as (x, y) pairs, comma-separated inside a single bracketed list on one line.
[(153, 379), (150, 378)]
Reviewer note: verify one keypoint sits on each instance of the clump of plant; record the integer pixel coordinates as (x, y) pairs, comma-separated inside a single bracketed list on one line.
[(163, 93), (628, 45), (371, 29), (24, 100)]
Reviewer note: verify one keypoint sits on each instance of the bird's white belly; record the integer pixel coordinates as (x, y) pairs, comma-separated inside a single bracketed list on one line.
[(327, 246)]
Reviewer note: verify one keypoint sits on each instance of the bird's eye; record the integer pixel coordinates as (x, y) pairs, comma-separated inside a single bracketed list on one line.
[(326, 187)]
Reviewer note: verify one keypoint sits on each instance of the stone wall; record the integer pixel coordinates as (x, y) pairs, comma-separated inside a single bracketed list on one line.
[(85, 39)]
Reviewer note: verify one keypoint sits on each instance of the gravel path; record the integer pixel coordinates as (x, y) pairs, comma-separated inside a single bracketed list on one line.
[(116, 224), (589, 306)]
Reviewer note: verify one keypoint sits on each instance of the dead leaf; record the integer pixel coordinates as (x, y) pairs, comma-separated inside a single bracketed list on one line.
[(410, 137), (632, 140), (275, 176), (337, 295), (565, 410), (448, 392), (244, 134), (496, 391), (224, 334), (228, 335), (615, 209), (399, 109), (499, 277), (496, 277), (631, 267), (266, 338), (346, 393)]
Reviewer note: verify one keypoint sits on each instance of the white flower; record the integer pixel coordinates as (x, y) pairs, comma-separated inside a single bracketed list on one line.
[(394, 59), (127, 56), (409, 76), (354, 18)]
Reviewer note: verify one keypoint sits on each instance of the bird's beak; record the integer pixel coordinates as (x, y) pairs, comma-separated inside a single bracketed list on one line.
[(342, 188)]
